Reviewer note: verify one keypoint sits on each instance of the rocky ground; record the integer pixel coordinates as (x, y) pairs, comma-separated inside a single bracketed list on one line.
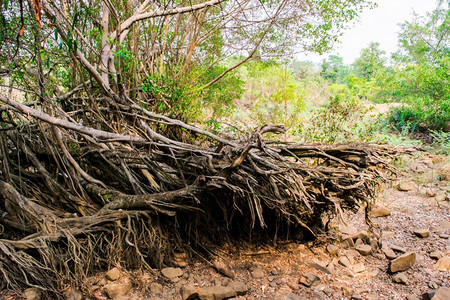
[(405, 256)]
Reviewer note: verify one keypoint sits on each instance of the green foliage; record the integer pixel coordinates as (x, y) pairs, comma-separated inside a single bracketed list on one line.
[(340, 120), (441, 141), (277, 96), (370, 62), (334, 69)]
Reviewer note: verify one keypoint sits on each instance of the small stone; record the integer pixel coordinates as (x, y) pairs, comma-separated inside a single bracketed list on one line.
[(172, 273), (239, 287), (308, 279), (364, 249), (356, 297), (441, 197), (321, 266), (73, 295), (398, 248), (400, 278), (359, 242), (114, 289), (216, 292), (443, 264), (407, 186), (444, 236), (403, 262), (188, 291), (225, 281), (380, 211), (347, 242), (32, 294), (257, 274), (156, 288), (390, 254), (332, 249), (343, 261), (442, 294), (346, 291), (436, 254), (422, 233), (294, 286), (445, 224), (388, 234), (113, 274), (359, 267), (363, 235), (411, 297), (430, 192), (120, 297), (224, 268), (328, 291), (428, 295), (362, 290)]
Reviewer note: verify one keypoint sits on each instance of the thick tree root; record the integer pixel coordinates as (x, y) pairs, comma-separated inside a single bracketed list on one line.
[(78, 198)]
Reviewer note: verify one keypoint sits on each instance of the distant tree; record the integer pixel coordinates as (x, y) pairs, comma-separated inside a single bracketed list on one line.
[(371, 60), (425, 38), (334, 69)]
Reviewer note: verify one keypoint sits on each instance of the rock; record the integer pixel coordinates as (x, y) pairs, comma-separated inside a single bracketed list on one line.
[(436, 254), (442, 294), (359, 242), (332, 249), (441, 197), (189, 291), (216, 292), (364, 249), (444, 236), (308, 279), (430, 192), (398, 248), (343, 261), (172, 273), (407, 186), (359, 267), (156, 288), (422, 233), (239, 287), (328, 291), (390, 254), (224, 268), (362, 290), (362, 235), (400, 278), (73, 295), (443, 264), (403, 262), (321, 266), (113, 274), (257, 274), (356, 297), (347, 242), (294, 286), (388, 234), (445, 224), (114, 289), (411, 297), (428, 295), (225, 281), (32, 294), (380, 211)]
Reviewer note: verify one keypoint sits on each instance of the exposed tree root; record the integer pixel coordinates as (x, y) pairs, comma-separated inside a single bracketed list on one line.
[(77, 198)]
